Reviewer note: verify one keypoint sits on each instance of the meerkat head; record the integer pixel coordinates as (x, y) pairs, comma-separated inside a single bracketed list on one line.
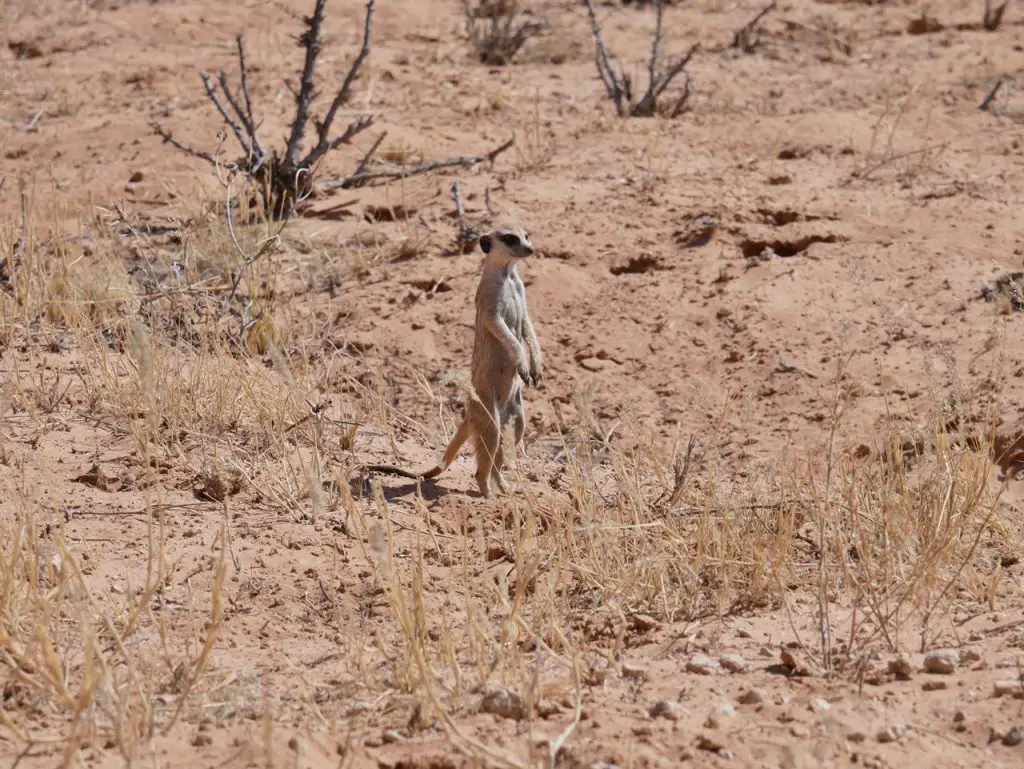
[(506, 244)]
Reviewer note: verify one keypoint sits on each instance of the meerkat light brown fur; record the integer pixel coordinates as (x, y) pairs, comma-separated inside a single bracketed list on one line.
[(506, 358)]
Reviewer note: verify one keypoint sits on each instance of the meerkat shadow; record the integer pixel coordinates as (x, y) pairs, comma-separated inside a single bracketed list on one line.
[(429, 490)]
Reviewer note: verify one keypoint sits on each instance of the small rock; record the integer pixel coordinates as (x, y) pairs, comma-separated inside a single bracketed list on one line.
[(547, 709), (934, 686), (391, 736), (818, 705), (970, 654), (796, 665), (890, 733), (704, 742), (901, 667), (960, 721), (636, 672), (1014, 737), (941, 662), (800, 731), (1012, 687), (702, 664), (136, 177), (753, 696), (202, 739), (856, 736), (669, 709), (505, 703), (734, 663), (294, 744), (722, 713), (644, 622)]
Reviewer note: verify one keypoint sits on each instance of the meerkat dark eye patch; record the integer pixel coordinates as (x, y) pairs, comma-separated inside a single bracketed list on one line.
[(510, 240), (485, 244)]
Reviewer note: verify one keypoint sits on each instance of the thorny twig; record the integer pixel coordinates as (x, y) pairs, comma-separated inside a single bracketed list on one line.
[(620, 85), (360, 179), (748, 37), (986, 103), (993, 17)]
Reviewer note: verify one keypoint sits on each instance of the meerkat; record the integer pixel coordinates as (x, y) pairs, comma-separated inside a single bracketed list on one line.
[(506, 358)]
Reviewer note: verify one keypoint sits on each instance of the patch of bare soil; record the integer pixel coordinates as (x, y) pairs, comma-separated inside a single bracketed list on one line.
[(769, 507)]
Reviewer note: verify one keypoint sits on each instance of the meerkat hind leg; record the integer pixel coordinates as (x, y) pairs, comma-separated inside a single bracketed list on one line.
[(487, 440)]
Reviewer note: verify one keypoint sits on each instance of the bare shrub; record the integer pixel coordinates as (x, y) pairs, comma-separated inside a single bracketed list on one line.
[(497, 31), (285, 177), (620, 85)]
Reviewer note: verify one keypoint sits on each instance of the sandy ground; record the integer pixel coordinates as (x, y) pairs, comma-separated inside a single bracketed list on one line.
[(861, 199)]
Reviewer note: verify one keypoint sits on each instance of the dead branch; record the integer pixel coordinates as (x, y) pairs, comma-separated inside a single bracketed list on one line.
[(496, 45), (986, 103), (468, 235), (620, 86), (364, 177), (993, 17), (748, 37), (289, 178)]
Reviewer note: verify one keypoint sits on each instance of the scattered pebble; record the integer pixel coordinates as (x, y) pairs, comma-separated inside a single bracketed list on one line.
[(505, 703), (547, 709), (960, 721), (941, 662), (819, 705), (753, 696), (635, 672), (669, 709), (790, 659), (391, 736), (202, 739), (1011, 686), (970, 654), (644, 622), (734, 663), (934, 686), (722, 713), (702, 664), (1014, 737), (800, 731), (901, 667), (856, 736), (704, 742), (890, 733)]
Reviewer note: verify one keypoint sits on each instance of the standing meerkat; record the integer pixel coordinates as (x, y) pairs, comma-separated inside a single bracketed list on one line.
[(506, 358)]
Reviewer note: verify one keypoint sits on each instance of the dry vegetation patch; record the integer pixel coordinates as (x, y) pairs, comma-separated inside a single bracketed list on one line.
[(765, 478)]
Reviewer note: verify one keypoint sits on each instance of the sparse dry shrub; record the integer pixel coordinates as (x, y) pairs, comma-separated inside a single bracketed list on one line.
[(497, 29), (619, 85)]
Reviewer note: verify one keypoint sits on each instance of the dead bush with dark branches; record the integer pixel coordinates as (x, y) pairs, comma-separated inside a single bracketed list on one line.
[(620, 85), (497, 29), (286, 178)]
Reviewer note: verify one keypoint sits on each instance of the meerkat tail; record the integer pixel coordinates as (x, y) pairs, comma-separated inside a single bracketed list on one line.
[(460, 437)]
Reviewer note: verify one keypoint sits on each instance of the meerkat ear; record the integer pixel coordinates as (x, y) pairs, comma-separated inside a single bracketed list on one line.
[(485, 243)]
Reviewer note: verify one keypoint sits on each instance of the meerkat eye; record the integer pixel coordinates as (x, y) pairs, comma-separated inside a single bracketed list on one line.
[(510, 240)]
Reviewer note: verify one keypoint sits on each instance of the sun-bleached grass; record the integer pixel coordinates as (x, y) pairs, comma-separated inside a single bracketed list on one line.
[(541, 598)]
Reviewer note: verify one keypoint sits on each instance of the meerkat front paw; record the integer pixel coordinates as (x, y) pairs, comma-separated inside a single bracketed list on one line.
[(524, 370), (536, 372)]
